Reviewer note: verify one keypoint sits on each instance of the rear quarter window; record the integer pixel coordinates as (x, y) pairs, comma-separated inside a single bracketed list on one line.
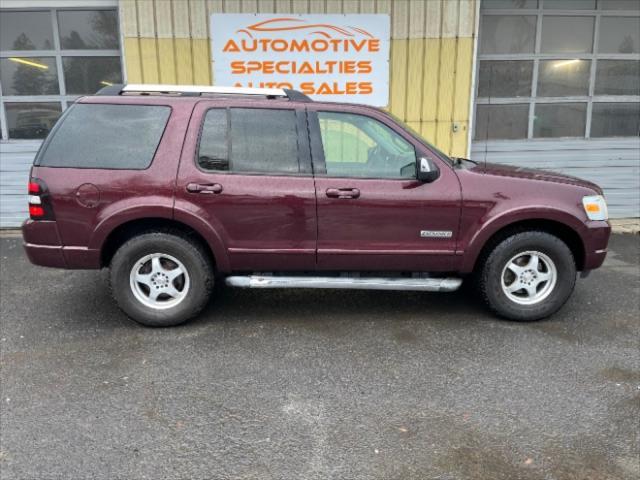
[(123, 137)]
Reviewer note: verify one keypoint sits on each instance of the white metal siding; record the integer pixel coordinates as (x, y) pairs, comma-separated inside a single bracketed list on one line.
[(614, 164), (15, 163)]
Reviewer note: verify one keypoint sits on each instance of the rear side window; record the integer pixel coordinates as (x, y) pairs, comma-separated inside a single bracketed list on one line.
[(250, 140), (121, 137)]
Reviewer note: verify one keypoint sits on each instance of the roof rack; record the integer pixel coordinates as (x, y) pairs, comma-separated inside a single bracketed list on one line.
[(197, 90)]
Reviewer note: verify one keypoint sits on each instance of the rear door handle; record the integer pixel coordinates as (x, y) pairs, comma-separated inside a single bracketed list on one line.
[(205, 188), (343, 192)]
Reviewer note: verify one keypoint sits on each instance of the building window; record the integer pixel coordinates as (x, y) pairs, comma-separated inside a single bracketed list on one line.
[(558, 69), (50, 57)]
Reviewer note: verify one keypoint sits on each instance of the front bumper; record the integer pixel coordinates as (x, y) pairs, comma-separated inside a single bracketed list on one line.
[(596, 239)]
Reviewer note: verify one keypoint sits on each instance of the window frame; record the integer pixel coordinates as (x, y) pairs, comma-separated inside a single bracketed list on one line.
[(590, 98), (57, 53), (305, 168), (317, 146)]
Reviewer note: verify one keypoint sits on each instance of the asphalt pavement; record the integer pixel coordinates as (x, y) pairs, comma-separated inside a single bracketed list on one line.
[(318, 384)]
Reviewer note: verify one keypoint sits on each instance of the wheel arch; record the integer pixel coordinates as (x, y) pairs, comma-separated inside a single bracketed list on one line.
[(481, 247), (131, 228)]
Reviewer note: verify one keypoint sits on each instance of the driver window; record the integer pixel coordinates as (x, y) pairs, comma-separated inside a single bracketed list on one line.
[(359, 146)]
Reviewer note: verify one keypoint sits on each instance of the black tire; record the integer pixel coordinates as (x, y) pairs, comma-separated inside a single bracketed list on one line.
[(490, 276), (189, 253)]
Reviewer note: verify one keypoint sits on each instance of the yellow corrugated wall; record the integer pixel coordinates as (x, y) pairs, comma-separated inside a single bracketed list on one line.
[(432, 42)]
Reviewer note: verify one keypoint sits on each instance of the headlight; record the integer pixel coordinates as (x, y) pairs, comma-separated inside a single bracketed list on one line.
[(595, 207)]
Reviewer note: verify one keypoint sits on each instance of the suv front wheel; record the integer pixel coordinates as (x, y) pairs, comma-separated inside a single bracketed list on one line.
[(528, 276), (161, 279)]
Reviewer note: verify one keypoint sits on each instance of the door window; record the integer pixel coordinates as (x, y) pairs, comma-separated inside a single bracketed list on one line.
[(359, 146), (250, 140), (213, 153)]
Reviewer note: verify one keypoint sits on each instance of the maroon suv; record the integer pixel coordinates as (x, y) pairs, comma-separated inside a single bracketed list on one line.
[(171, 187)]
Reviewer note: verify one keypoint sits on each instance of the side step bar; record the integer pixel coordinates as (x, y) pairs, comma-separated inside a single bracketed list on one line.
[(412, 284)]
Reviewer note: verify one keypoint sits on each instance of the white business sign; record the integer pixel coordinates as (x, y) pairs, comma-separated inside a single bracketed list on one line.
[(328, 57)]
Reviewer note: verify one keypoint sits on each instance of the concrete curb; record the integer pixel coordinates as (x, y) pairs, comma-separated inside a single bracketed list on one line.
[(625, 225)]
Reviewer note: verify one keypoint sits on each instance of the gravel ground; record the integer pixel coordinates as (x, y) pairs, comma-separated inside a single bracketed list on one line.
[(318, 384)]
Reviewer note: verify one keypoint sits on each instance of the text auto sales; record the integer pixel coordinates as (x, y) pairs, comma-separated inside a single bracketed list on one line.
[(242, 67)]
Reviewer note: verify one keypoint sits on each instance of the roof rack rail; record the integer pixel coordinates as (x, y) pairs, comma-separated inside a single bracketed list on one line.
[(110, 90), (197, 90)]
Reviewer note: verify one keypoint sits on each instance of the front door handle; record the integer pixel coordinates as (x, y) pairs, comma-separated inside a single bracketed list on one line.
[(343, 192), (206, 188)]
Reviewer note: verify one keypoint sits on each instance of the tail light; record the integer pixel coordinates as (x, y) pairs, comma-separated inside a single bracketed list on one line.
[(39, 201)]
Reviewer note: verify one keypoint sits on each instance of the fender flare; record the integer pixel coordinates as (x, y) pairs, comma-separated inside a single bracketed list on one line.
[(113, 217), (511, 217), (210, 235), (140, 212)]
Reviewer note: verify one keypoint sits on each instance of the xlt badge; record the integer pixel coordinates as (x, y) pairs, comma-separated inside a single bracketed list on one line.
[(436, 233)]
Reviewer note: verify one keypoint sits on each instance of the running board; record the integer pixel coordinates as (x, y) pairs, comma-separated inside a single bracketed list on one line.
[(352, 283)]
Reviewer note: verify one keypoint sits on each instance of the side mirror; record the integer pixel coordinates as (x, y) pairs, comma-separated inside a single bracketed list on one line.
[(427, 170)]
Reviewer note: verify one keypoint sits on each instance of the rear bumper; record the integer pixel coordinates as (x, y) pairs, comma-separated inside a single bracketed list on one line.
[(76, 258), (44, 248), (45, 255), (596, 239)]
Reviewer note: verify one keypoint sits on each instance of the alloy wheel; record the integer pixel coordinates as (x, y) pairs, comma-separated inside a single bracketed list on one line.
[(159, 281), (529, 277)]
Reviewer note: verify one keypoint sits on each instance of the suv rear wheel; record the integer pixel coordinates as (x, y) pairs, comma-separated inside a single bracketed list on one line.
[(528, 276), (161, 279)]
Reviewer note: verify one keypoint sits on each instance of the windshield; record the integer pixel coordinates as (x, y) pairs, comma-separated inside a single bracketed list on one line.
[(421, 139)]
